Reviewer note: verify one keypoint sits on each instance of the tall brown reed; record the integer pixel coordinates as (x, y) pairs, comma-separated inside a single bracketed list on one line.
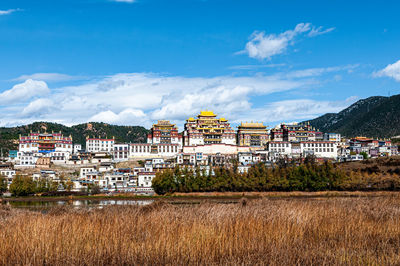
[(277, 231)]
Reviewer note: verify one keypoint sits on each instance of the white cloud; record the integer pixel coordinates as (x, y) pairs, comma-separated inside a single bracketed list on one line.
[(295, 110), (127, 116), (142, 98), (48, 77), (263, 46), (9, 11), (391, 70), (38, 108), (313, 72), (319, 31), (250, 67), (23, 91)]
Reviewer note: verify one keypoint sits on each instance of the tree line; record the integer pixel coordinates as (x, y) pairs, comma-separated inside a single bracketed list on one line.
[(308, 176), (26, 185)]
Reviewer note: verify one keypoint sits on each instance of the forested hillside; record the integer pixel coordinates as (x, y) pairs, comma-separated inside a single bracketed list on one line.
[(9, 135)]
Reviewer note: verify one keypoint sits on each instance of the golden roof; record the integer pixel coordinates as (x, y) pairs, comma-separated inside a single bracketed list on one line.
[(252, 124), (222, 119), (164, 123), (191, 119), (207, 113)]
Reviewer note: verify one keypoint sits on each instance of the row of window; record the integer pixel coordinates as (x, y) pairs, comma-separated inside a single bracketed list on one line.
[(321, 149), (318, 145), (102, 141), (147, 149), (279, 144), (37, 145)]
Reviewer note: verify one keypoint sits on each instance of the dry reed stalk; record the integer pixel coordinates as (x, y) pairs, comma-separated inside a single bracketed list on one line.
[(280, 231)]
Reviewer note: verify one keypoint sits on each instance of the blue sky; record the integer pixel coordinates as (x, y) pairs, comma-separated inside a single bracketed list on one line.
[(133, 62)]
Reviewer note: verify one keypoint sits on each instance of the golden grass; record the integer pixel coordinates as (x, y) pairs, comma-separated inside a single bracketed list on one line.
[(358, 231)]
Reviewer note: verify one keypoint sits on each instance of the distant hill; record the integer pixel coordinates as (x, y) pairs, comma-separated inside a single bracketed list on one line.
[(376, 116), (9, 135)]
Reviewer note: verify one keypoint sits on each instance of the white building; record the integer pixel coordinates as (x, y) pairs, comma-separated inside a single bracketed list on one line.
[(117, 181), (7, 173), (85, 170), (26, 159), (279, 148), (145, 179), (146, 150), (58, 157), (105, 167), (245, 158), (100, 145), (45, 143), (121, 152), (320, 149), (77, 148), (216, 148)]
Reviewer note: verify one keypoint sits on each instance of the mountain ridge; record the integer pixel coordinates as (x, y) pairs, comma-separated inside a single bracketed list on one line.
[(376, 116)]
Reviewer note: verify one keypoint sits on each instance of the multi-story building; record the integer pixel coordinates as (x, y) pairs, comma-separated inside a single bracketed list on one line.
[(145, 178), (27, 159), (164, 133), (8, 173), (208, 129), (146, 150), (279, 148), (276, 134), (45, 143), (295, 132), (77, 148), (336, 137), (121, 152), (320, 149), (252, 134), (100, 145), (84, 171)]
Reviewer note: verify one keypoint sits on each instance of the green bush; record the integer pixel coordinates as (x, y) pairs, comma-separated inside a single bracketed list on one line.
[(22, 186)]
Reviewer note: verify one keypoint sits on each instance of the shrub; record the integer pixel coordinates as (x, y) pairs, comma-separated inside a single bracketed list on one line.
[(22, 186)]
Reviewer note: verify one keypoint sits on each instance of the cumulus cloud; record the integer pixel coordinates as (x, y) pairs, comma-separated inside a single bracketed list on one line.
[(9, 11), (125, 117), (24, 91), (263, 46), (295, 110), (142, 98), (391, 70), (48, 77), (38, 108)]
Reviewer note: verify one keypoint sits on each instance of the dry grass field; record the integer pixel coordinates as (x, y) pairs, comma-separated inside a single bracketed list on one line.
[(356, 231)]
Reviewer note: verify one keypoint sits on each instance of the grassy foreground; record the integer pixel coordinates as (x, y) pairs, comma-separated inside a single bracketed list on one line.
[(363, 230)]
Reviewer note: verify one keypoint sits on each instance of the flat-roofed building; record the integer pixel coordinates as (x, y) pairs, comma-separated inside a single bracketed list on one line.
[(320, 149), (147, 150), (100, 145)]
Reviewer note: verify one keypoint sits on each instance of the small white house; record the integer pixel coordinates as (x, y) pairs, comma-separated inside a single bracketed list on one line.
[(245, 158), (85, 170), (8, 173), (77, 148), (145, 178)]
